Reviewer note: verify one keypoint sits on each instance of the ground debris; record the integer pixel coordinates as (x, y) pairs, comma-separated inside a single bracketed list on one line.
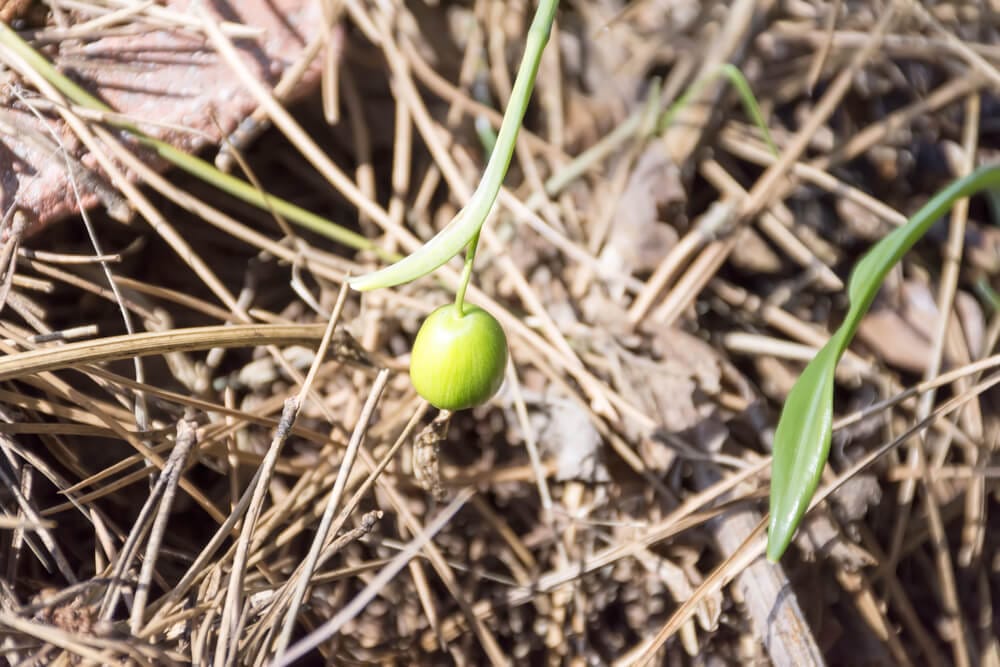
[(661, 290)]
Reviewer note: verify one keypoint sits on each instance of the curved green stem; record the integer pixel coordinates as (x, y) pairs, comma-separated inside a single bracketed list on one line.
[(463, 283), (459, 232)]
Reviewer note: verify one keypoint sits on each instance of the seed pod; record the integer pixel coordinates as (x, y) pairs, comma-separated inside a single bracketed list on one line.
[(458, 358)]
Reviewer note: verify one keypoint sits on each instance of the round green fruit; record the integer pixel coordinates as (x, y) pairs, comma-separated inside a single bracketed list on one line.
[(458, 358)]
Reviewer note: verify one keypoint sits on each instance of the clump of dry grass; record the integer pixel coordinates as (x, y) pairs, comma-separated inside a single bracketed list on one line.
[(212, 451)]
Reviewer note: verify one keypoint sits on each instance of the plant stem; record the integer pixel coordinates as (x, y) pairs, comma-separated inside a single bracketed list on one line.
[(459, 232), (463, 283)]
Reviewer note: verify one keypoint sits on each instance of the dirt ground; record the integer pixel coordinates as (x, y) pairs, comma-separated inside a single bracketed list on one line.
[(185, 481)]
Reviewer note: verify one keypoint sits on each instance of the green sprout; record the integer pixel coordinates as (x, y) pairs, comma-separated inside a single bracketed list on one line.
[(802, 439), (739, 82)]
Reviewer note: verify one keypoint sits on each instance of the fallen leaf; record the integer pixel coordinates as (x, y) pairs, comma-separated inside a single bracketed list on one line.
[(666, 389), (163, 76), (566, 433), (638, 241), (899, 329), (751, 253)]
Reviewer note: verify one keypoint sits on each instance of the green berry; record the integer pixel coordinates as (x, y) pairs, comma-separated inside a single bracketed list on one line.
[(458, 358)]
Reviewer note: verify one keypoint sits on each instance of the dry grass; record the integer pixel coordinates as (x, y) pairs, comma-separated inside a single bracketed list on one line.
[(212, 453)]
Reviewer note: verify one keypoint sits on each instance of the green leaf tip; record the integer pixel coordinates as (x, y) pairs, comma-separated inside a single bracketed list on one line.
[(805, 428), (739, 82)]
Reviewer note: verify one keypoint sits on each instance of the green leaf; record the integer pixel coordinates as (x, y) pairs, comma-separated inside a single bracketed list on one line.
[(801, 447), (736, 79), (802, 439)]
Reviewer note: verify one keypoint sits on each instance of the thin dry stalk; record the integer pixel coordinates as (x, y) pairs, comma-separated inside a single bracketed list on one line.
[(298, 594), (226, 649), (349, 611)]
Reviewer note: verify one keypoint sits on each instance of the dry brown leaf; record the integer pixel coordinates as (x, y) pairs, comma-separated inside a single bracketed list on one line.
[(566, 433), (161, 76), (688, 354), (638, 241), (900, 333), (666, 389), (751, 253)]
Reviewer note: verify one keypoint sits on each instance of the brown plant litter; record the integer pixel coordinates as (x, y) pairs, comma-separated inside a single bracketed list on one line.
[(210, 450)]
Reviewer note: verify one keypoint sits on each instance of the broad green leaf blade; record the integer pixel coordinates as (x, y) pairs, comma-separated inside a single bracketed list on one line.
[(806, 418), (802, 439)]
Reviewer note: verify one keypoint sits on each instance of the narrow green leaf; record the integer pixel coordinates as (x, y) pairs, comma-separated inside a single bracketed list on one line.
[(736, 79), (749, 100), (801, 447), (802, 439), (988, 294)]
